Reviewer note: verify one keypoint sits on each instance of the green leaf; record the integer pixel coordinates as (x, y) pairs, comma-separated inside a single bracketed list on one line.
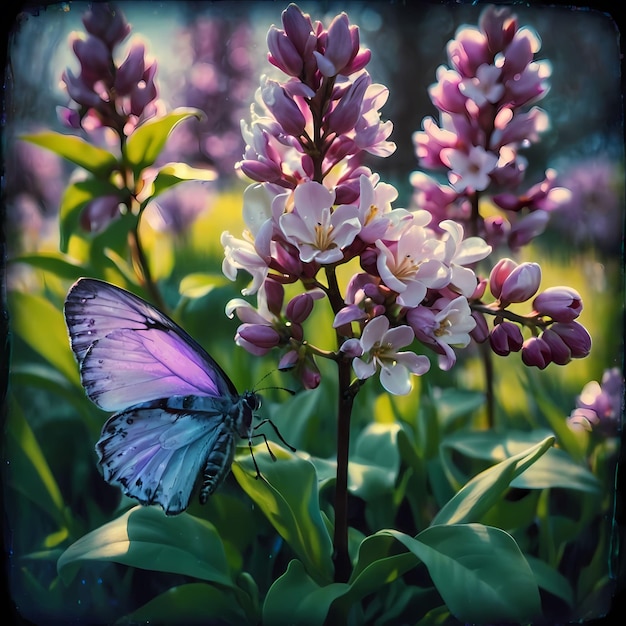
[(452, 404), (485, 489), (146, 538), (27, 470), (146, 143), (54, 262), (199, 284), (557, 469), (41, 325), (295, 598), (174, 173), (479, 571), (75, 149), (193, 603), (287, 494)]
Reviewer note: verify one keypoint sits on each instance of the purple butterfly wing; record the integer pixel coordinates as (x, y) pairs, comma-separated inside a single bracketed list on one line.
[(156, 452), (130, 353)]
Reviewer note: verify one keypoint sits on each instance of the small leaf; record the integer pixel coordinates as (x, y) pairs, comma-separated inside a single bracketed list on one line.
[(146, 143), (75, 149), (484, 490), (199, 284), (54, 262), (295, 598), (41, 325), (174, 173), (146, 538), (287, 494)]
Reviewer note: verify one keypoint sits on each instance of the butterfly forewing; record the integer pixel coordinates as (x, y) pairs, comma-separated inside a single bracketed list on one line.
[(130, 353)]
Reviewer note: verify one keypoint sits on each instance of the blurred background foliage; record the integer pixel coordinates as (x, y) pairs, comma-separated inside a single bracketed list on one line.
[(209, 56)]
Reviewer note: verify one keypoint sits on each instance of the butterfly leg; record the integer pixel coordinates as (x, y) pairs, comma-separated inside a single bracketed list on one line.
[(269, 421)]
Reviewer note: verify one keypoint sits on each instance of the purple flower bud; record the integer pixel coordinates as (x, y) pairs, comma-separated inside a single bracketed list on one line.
[(309, 373), (99, 212), (260, 335), (575, 336), (94, 56), (144, 92), (288, 259), (345, 115), (283, 53), (79, 91), (261, 171), (339, 49), (505, 338), (561, 354), (521, 284), (536, 352), (480, 332), (68, 117), (284, 109), (130, 72), (106, 23), (518, 55), (289, 360), (349, 313), (529, 227), (299, 308), (299, 30), (274, 294), (499, 27), (562, 304), (499, 274)]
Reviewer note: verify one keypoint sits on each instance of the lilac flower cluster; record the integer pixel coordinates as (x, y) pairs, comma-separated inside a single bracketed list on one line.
[(484, 100), (111, 95), (599, 407), (314, 206)]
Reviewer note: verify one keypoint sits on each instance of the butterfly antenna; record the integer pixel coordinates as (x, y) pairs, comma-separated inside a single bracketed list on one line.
[(289, 391)]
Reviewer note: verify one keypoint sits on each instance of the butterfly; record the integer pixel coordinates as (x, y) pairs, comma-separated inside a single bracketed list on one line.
[(177, 414)]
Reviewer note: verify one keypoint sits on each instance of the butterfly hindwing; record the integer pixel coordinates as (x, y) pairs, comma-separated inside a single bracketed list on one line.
[(157, 451), (129, 352)]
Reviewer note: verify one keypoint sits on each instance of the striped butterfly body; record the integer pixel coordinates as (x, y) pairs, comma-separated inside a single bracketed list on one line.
[(177, 414)]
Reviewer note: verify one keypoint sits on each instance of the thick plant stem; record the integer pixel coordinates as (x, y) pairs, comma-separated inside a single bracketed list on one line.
[(341, 556)]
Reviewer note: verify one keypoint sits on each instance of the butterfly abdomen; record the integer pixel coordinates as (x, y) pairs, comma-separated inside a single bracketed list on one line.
[(217, 465)]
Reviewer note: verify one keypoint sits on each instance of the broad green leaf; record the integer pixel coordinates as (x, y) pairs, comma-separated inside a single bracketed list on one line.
[(557, 469), (174, 173), (381, 560), (40, 324), (199, 284), (147, 141), (27, 470), (146, 538), (193, 603), (479, 571), (287, 494), (54, 262), (295, 598), (485, 489), (75, 149)]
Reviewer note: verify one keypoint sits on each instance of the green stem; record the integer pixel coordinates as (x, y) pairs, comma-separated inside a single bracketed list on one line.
[(142, 269)]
